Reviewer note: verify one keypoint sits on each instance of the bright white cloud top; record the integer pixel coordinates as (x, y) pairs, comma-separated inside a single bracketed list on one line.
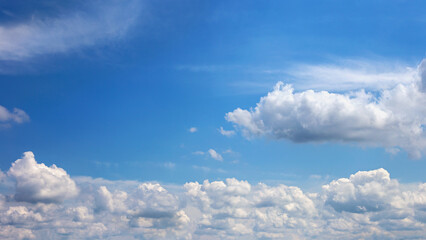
[(39, 183), (391, 118), (367, 205)]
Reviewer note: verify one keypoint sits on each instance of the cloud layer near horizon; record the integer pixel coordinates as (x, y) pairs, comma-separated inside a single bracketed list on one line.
[(367, 205), (390, 118)]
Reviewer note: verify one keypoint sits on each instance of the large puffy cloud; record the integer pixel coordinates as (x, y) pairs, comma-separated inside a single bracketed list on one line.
[(392, 118), (366, 205), (39, 183), (362, 192), (103, 20)]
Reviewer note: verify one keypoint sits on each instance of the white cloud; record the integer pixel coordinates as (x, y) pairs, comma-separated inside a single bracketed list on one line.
[(215, 155), (367, 205), (19, 215), (393, 119), (351, 75), (40, 183), (227, 133), (11, 232), (105, 200), (193, 130), (16, 116), (80, 213), (198, 153), (107, 20), (362, 192)]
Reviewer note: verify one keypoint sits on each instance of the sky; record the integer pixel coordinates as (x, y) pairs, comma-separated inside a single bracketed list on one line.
[(142, 119)]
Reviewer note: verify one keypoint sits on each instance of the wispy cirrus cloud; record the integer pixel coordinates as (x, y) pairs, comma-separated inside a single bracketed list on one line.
[(103, 21), (367, 205), (349, 75)]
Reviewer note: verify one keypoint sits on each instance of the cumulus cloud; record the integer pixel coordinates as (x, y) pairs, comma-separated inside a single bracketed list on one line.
[(105, 200), (227, 133), (193, 130), (12, 233), (392, 118), (366, 205), (215, 155), (39, 183), (362, 192), (15, 116), (106, 20)]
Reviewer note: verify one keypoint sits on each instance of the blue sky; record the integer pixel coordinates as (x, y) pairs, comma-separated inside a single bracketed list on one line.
[(179, 65), (110, 89)]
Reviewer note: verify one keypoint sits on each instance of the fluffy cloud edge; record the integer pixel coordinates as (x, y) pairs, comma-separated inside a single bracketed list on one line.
[(367, 204), (391, 118)]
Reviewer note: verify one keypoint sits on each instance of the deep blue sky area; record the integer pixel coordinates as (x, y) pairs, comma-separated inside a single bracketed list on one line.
[(119, 105)]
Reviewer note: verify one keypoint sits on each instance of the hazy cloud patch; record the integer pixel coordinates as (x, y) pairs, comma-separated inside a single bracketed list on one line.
[(193, 129)]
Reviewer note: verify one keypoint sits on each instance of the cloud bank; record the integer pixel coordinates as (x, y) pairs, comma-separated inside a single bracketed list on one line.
[(390, 118), (107, 20), (366, 205)]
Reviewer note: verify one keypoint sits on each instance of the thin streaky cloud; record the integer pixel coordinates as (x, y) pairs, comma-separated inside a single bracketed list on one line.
[(107, 21), (348, 75)]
